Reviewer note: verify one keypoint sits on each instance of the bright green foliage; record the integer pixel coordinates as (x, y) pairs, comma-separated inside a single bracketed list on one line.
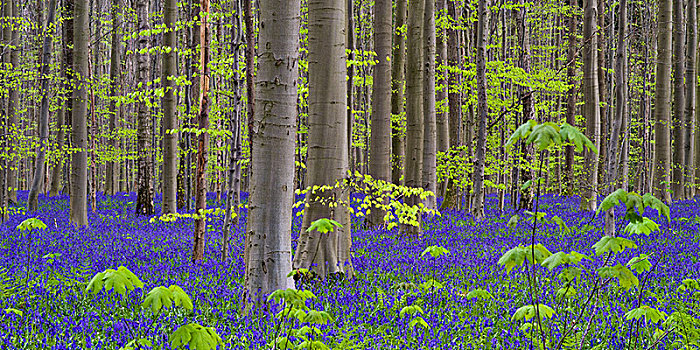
[(431, 284), (161, 296), (318, 317), (686, 326), (689, 285), (640, 263), (517, 255), (136, 344), (14, 311), (435, 251), (312, 344), (561, 258), (644, 226), (513, 220), (633, 202), (548, 134), (570, 273), (324, 225), (120, 280), (479, 294), (411, 310), (649, 313), (195, 336), (609, 244), (283, 343), (562, 225), (566, 292), (31, 224), (528, 312), (418, 321), (625, 278)]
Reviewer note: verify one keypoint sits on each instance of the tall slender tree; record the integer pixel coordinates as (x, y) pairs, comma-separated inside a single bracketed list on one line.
[(571, 94), (442, 119), (269, 239), (453, 97), (38, 178), (327, 160), (691, 81), (169, 120), (380, 138), (203, 137), (679, 141), (662, 103), (398, 74), (12, 96), (79, 137), (144, 191), (591, 97), (414, 101), (429, 175), (477, 205), (114, 63)]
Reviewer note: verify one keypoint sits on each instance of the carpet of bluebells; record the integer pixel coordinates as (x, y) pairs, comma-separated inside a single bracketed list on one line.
[(44, 274)]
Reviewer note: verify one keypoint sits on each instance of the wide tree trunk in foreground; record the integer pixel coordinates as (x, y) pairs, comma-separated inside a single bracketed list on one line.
[(398, 74), (414, 103), (203, 137), (38, 180), (380, 138), (81, 38), (327, 160), (169, 120), (662, 104), (269, 239), (591, 110)]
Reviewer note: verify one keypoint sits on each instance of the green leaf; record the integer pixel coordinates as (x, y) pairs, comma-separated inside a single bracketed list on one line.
[(528, 312), (688, 284), (157, 298), (612, 200), (649, 313), (644, 226), (435, 251), (411, 310), (625, 278), (512, 258), (609, 244), (640, 263), (283, 343), (120, 280), (541, 253), (14, 311), (522, 132), (570, 273), (655, 203), (418, 321), (31, 224), (562, 225), (318, 317), (513, 221), (544, 135), (566, 292), (562, 258), (323, 225), (570, 134), (195, 336)]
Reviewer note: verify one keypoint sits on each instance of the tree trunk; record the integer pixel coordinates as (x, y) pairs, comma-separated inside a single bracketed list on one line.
[(12, 99), (79, 137), (169, 120), (114, 63), (380, 142), (414, 103), (591, 107), (269, 238), (203, 137), (443, 129), (144, 200), (477, 205), (679, 129), (37, 181), (691, 81), (662, 103), (398, 74), (429, 123), (454, 99), (526, 195), (571, 96), (327, 161)]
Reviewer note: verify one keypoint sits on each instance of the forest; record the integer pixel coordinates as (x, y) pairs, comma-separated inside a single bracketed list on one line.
[(349, 174)]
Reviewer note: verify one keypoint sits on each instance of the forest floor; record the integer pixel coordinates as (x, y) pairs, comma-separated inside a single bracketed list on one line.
[(43, 275)]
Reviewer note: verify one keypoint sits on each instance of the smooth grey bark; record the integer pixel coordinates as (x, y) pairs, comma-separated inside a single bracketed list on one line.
[(380, 137), (144, 190), (591, 107), (570, 97), (38, 180), (269, 238), (429, 176), (398, 74), (169, 120), (413, 176), (79, 137), (691, 81), (327, 160), (477, 205), (679, 135), (662, 104), (454, 98), (525, 174), (114, 63)]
